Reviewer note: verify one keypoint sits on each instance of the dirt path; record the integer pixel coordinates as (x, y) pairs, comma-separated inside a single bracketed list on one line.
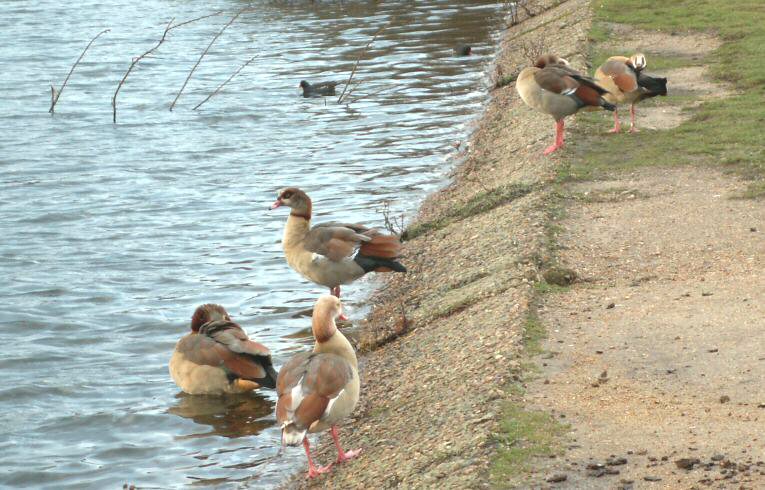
[(656, 358)]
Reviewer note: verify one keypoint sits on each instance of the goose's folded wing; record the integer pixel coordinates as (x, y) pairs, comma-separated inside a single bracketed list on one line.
[(335, 241), (224, 343), (622, 74), (308, 385)]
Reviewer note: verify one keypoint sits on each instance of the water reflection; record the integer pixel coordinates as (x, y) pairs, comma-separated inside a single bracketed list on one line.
[(229, 416)]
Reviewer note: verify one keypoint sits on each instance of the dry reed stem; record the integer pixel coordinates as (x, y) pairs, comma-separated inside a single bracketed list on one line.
[(224, 83), (56, 94), (135, 61), (203, 55), (356, 65)]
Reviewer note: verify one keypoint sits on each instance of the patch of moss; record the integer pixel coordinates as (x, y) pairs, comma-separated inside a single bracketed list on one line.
[(524, 435), (480, 203), (534, 332)]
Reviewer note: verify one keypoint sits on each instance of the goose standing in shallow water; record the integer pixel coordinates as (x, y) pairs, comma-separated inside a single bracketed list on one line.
[(553, 87), (218, 358), (319, 389), (324, 253), (627, 84)]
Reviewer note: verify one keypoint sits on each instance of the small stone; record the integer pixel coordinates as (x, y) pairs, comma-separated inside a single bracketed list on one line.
[(557, 478), (717, 457), (724, 399), (713, 350), (687, 463), (752, 229), (610, 305), (616, 461), (651, 478), (706, 293)]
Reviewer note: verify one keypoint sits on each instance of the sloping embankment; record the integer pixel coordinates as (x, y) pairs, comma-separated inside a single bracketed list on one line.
[(434, 384)]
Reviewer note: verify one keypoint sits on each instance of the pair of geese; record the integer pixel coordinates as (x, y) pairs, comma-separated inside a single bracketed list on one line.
[(553, 87), (316, 390)]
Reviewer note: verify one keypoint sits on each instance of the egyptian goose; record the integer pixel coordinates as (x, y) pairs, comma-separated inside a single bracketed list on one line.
[(317, 89), (218, 358), (324, 253), (553, 87), (627, 84), (319, 389)]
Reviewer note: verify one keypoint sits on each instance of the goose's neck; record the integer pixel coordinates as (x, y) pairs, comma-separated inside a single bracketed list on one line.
[(296, 229), (329, 340)]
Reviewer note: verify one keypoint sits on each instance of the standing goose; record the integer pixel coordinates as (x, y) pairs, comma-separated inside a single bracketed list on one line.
[(627, 84), (319, 389), (553, 87), (218, 358), (324, 254)]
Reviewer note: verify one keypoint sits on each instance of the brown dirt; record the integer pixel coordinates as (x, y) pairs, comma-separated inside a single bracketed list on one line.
[(672, 308)]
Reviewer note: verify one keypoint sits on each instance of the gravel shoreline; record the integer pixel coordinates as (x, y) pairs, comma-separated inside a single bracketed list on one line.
[(443, 342)]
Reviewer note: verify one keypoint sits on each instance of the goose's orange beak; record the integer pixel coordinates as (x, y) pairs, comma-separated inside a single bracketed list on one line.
[(276, 204)]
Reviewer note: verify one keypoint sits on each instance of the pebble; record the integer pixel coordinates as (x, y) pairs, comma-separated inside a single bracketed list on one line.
[(651, 478), (557, 478), (687, 463), (724, 399)]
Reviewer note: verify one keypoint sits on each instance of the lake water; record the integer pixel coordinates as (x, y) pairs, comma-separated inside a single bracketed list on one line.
[(113, 233)]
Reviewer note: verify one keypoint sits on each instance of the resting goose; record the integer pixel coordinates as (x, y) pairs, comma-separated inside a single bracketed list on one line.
[(324, 254), (218, 358), (319, 389), (553, 87), (627, 84)]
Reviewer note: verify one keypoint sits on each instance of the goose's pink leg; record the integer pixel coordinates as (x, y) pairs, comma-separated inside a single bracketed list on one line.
[(617, 125), (558, 138), (342, 456), (314, 471), (633, 127)]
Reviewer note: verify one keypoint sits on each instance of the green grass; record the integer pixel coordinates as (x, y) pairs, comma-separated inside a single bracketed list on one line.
[(480, 203), (524, 435), (723, 133), (534, 332)]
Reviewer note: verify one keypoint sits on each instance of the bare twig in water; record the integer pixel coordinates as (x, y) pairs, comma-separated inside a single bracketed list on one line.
[(533, 48), (394, 224), (204, 53), (56, 94), (356, 65), (135, 61), (224, 83)]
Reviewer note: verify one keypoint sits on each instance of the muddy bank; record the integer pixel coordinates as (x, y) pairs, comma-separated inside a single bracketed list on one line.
[(442, 343)]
